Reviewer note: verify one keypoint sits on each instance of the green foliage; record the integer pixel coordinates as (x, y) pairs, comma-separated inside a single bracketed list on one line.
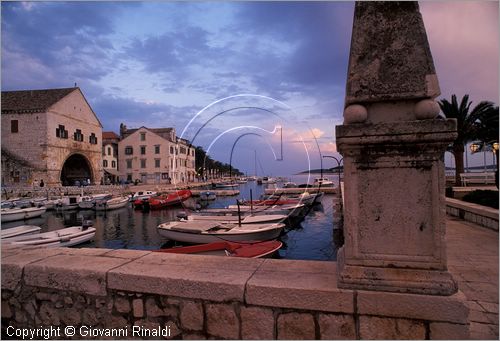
[(204, 162), (483, 197)]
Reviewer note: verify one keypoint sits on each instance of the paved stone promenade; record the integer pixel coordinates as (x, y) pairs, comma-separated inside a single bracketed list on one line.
[(473, 261)]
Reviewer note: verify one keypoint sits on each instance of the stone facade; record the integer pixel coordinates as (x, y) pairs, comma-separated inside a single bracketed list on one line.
[(110, 156), (155, 156), (35, 148), (206, 297)]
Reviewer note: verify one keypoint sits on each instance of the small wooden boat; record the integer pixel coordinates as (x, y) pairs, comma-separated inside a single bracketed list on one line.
[(110, 204), (13, 214), (19, 231), (198, 232), (244, 219), (229, 249), (64, 237), (171, 199), (208, 195)]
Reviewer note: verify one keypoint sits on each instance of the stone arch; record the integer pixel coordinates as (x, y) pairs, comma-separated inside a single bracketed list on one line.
[(76, 167)]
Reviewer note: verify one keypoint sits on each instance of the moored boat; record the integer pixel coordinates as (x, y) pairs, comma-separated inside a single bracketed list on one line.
[(110, 204), (229, 249), (198, 232), (13, 214), (142, 195), (68, 236), (88, 202), (243, 219), (208, 195), (19, 231), (323, 182), (171, 199), (68, 203)]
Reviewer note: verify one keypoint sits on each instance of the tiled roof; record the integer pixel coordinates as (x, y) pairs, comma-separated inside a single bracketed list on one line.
[(32, 100), (109, 135), (163, 132)]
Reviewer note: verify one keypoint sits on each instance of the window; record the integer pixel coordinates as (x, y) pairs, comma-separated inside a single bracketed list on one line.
[(92, 139), (143, 150), (61, 132), (157, 163), (14, 126), (171, 163), (176, 151), (143, 163), (105, 163), (109, 150), (129, 150), (78, 136), (182, 150), (113, 164), (171, 150), (129, 163), (143, 136), (192, 152), (157, 149), (129, 177)]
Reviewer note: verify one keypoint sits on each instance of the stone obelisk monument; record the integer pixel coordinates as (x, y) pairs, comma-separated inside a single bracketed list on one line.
[(393, 144)]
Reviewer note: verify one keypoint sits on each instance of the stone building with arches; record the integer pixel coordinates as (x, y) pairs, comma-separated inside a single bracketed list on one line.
[(51, 135)]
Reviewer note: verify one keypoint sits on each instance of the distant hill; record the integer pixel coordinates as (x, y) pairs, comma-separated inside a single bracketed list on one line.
[(318, 171)]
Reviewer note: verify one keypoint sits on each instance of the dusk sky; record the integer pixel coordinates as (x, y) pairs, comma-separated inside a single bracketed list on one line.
[(226, 72)]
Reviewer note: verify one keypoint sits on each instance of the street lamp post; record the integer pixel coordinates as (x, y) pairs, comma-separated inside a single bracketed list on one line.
[(338, 164)]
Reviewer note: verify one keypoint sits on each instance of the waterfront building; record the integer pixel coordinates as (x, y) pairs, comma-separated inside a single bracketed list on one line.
[(154, 156), (110, 157), (51, 135)]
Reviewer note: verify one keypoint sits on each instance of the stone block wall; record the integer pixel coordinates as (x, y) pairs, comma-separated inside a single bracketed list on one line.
[(148, 295), (474, 213)]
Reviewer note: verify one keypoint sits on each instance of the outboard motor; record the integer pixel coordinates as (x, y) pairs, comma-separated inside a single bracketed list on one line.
[(182, 215), (86, 224)]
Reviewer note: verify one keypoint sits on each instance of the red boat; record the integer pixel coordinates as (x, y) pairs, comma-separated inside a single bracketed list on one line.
[(169, 200), (230, 249)]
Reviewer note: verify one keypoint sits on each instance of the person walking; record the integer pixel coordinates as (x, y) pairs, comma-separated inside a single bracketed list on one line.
[(42, 183)]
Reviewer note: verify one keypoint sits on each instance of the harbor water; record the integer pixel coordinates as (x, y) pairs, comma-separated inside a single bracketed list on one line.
[(126, 228)]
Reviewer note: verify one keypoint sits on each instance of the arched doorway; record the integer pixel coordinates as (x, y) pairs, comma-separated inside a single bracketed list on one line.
[(76, 168)]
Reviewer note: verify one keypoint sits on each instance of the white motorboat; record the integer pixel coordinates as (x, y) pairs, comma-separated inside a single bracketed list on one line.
[(208, 195), (68, 203), (68, 236), (141, 195), (268, 180), (234, 219), (198, 232), (19, 231), (88, 201), (110, 204), (323, 182), (13, 214), (289, 185)]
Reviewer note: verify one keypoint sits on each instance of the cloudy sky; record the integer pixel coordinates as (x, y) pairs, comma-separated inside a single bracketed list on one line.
[(228, 75)]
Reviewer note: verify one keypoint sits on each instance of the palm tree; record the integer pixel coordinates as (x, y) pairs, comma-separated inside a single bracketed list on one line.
[(487, 128), (467, 126)]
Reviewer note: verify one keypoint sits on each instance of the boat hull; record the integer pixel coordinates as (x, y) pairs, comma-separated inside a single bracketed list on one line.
[(60, 238), (201, 238), (22, 213), (229, 249)]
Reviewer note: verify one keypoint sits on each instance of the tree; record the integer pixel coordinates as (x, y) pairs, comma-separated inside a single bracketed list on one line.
[(487, 132), (467, 126)]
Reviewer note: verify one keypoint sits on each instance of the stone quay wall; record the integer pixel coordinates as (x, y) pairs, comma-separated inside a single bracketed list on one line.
[(474, 213), (199, 297)]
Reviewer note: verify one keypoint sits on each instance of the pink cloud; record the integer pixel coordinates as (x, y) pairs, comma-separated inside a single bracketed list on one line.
[(464, 41)]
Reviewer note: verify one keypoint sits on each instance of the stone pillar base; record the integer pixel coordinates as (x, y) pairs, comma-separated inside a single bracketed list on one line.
[(417, 281)]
